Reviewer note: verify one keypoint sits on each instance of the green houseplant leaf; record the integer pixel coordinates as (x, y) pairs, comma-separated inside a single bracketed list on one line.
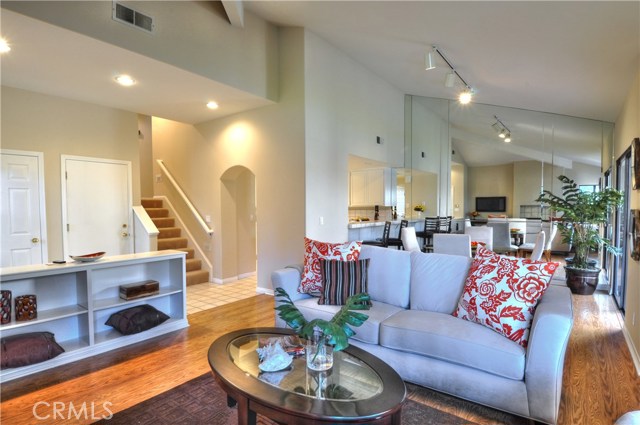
[(580, 214), (335, 331)]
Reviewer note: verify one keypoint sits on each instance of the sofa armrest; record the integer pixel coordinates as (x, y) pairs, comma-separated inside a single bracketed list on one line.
[(289, 280), (548, 338)]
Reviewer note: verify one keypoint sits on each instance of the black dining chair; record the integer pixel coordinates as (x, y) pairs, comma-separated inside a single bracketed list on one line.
[(431, 226), (397, 242), (444, 224), (384, 241)]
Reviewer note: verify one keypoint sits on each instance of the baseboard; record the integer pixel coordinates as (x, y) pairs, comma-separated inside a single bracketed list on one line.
[(264, 291), (233, 278), (225, 280), (632, 349)]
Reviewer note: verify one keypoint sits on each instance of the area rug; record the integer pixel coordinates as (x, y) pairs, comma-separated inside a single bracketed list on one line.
[(202, 401)]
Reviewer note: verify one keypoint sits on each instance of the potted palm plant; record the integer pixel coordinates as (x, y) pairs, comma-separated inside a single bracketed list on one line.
[(580, 215)]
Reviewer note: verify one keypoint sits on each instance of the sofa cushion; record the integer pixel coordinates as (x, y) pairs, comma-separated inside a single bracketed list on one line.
[(437, 281), (311, 282), (342, 279), (389, 275), (369, 331), (445, 337), (502, 293)]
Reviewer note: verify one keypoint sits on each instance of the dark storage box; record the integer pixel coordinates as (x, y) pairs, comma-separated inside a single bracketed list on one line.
[(146, 288)]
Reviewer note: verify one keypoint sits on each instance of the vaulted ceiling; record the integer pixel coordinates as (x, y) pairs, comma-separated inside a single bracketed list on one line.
[(576, 58)]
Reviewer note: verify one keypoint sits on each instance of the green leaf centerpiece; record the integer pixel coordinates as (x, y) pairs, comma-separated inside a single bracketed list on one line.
[(337, 331)]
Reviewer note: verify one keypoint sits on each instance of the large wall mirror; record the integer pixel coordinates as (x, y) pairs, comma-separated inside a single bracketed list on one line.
[(455, 153)]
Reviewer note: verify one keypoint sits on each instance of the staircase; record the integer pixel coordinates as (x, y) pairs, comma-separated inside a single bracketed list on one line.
[(170, 237)]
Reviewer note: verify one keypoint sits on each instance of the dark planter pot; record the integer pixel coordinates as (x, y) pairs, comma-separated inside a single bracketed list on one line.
[(582, 281), (591, 263)]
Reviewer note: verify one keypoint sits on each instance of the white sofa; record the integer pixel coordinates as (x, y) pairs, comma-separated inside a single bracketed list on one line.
[(410, 327)]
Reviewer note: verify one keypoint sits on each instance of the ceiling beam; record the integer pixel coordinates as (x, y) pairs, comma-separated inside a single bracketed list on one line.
[(235, 12)]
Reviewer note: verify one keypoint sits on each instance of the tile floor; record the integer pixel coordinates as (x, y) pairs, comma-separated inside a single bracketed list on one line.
[(209, 295)]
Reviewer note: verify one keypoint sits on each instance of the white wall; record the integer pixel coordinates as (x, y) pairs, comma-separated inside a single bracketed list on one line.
[(267, 141), (57, 126), (627, 128), (431, 153), (192, 35), (346, 107)]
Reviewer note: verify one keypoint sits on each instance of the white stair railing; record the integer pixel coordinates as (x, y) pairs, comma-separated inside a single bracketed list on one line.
[(184, 197)]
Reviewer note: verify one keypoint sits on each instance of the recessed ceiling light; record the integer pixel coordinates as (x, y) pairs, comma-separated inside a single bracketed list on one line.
[(212, 105), (125, 80), (4, 46)]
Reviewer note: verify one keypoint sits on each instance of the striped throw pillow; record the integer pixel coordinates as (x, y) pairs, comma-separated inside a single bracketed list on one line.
[(342, 279)]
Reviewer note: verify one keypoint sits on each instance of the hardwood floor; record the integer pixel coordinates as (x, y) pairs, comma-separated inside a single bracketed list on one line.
[(600, 381)]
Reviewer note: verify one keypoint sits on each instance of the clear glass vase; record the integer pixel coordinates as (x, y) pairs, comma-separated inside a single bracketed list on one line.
[(319, 354)]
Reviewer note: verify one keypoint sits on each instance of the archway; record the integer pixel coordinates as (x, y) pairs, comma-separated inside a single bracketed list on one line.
[(238, 224)]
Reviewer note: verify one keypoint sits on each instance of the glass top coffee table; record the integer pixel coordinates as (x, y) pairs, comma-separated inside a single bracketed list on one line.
[(358, 388)]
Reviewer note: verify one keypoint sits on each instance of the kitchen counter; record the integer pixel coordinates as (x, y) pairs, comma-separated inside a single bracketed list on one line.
[(376, 223)]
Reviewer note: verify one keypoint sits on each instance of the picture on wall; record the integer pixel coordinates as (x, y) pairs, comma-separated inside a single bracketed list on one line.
[(635, 173), (634, 234)]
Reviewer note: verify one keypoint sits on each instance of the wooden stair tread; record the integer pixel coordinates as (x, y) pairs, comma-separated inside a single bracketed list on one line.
[(162, 222), (157, 212), (151, 203), (190, 252), (172, 243), (197, 276), (170, 238), (169, 232), (193, 264)]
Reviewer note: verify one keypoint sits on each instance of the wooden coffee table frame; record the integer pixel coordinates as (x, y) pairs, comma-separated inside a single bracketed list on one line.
[(254, 396)]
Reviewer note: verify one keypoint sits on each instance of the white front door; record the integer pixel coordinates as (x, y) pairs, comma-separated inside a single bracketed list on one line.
[(23, 210), (96, 206)]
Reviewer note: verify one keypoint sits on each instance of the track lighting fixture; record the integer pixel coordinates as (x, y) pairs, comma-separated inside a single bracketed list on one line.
[(467, 94), (429, 60), (450, 79), (503, 131)]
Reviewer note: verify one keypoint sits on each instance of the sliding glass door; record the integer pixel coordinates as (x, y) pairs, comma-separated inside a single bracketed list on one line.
[(623, 180), (607, 259)]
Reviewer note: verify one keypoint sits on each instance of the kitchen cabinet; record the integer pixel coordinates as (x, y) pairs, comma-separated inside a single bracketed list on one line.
[(76, 299), (373, 186)]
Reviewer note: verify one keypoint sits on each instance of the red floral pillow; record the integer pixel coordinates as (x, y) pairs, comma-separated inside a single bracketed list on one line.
[(311, 282), (502, 293)]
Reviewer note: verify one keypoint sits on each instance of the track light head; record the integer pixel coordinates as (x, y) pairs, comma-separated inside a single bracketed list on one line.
[(502, 130), (429, 60), (450, 79)]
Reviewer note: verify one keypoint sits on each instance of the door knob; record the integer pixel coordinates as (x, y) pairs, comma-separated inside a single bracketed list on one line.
[(35, 240)]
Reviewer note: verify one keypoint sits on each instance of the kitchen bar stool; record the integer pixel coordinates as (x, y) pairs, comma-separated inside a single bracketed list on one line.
[(384, 242), (397, 242), (431, 226)]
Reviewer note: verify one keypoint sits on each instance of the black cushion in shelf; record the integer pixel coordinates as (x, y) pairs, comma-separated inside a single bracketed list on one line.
[(28, 348), (136, 319)]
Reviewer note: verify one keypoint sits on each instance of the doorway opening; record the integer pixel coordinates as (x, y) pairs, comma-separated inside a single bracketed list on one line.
[(238, 230)]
